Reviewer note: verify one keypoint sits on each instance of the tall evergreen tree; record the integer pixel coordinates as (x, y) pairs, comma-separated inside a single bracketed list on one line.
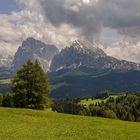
[(31, 86)]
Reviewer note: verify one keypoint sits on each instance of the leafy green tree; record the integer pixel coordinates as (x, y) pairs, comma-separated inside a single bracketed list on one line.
[(7, 100), (31, 86), (103, 95)]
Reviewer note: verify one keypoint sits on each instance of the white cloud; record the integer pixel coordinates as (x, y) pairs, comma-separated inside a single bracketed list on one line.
[(125, 51), (31, 22)]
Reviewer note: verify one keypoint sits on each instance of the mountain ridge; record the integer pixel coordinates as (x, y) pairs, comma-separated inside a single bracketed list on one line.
[(79, 54), (35, 50)]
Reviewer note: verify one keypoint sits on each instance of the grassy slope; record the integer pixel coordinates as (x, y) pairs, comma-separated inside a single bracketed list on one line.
[(88, 82), (94, 101), (90, 101), (23, 124), (5, 81)]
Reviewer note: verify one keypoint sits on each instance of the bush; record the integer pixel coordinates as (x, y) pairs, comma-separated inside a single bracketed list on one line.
[(69, 106), (109, 114), (48, 102), (95, 110), (130, 117), (138, 119), (85, 112), (7, 100)]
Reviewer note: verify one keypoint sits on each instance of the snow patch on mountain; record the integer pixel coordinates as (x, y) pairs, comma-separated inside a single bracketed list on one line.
[(81, 53)]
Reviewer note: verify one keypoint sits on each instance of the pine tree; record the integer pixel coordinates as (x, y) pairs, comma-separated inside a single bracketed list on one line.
[(31, 86)]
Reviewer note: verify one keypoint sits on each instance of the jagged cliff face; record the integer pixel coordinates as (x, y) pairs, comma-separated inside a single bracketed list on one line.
[(34, 50), (86, 54), (80, 53)]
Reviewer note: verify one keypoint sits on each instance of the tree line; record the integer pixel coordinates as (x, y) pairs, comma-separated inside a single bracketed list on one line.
[(125, 107)]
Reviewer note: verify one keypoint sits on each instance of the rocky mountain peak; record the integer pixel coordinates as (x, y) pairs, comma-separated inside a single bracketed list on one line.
[(88, 47), (89, 55), (78, 44), (35, 50)]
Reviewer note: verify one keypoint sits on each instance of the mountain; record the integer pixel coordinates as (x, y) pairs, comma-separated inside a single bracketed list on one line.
[(35, 50), (83, 69), (82, 53), (85, 81)]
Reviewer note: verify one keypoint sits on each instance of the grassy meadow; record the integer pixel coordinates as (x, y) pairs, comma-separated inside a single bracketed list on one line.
[(89, 101), (5, 81), (25, 124)]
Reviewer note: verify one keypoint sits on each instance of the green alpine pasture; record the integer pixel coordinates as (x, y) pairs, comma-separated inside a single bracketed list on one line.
[(25, 124), (5, 81), (89, 101)]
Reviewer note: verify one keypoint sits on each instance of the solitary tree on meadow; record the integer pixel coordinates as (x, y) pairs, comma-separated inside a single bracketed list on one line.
[(31, 86)]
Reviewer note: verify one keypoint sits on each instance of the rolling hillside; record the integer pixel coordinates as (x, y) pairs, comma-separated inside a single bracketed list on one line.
[(85, 81), (25, 124), (90, 101)]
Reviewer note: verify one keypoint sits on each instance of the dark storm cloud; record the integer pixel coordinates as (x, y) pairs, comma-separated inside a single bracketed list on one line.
[(122, 15), (74, 13)]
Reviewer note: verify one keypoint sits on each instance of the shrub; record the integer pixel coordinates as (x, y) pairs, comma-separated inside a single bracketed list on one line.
[(7, 100), (109, 114), (130, 117)]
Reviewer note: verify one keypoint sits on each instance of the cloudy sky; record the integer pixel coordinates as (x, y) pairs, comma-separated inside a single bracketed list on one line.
[(114, 23)]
